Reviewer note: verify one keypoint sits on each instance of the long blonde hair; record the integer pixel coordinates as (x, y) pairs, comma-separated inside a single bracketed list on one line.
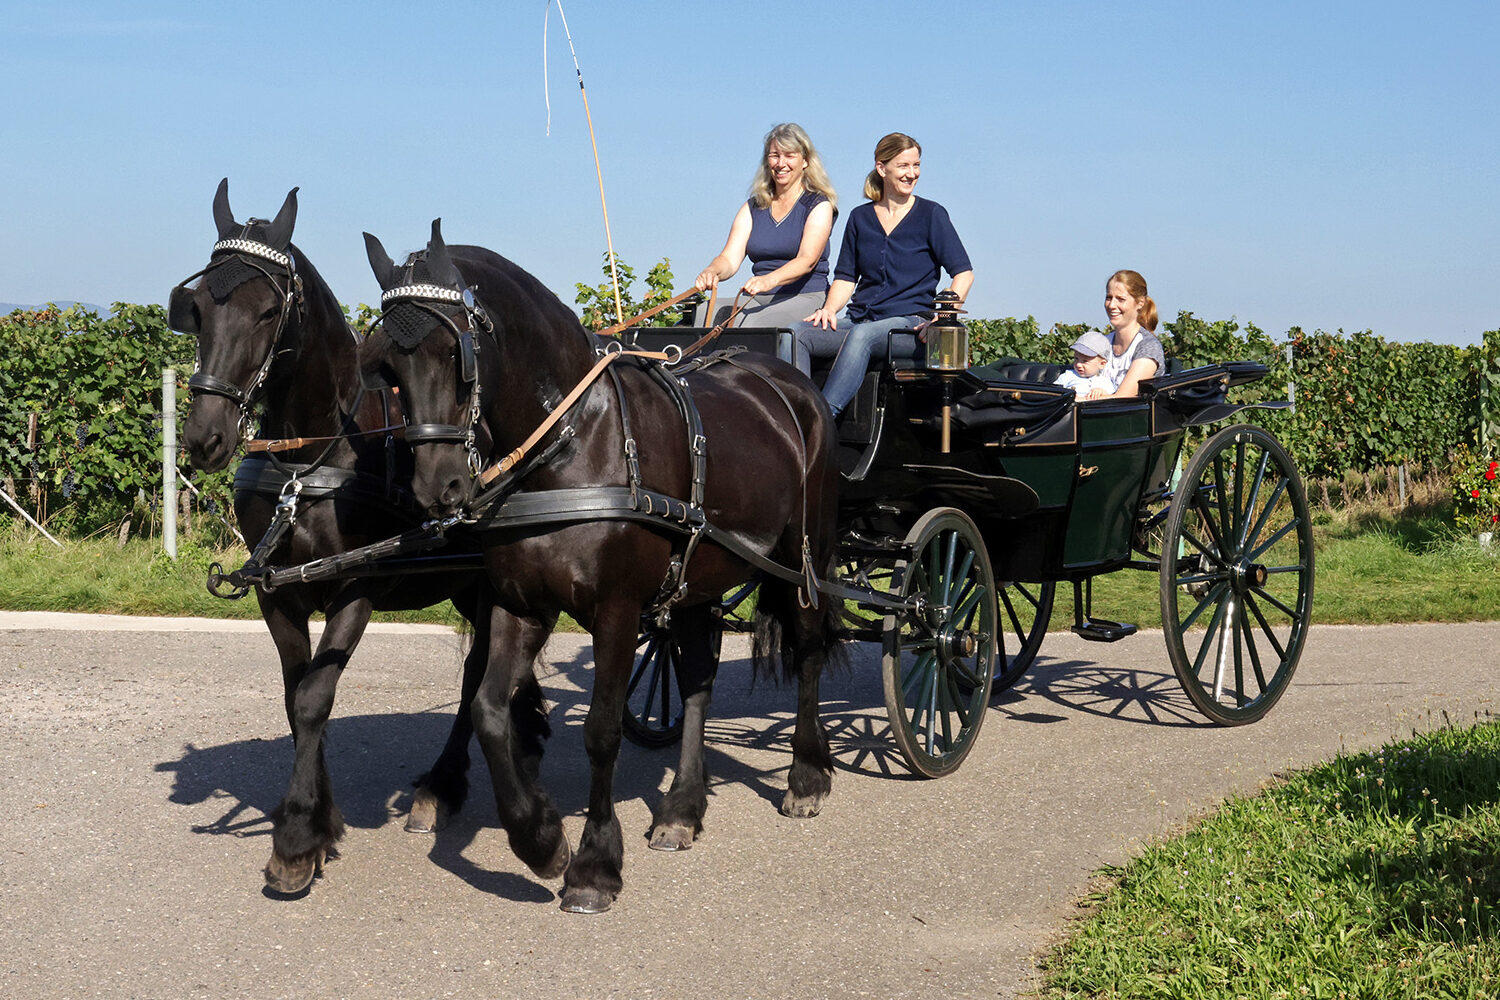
[(791, 136), (886, 150), (1136, 286)]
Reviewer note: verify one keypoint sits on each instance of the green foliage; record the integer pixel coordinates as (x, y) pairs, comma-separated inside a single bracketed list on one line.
[(1487, 386), (1476, 491), (598, 302), (1363, 402), (362, 318), (80, 413)]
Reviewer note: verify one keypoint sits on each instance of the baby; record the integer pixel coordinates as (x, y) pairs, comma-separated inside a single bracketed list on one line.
[(1087, 373)]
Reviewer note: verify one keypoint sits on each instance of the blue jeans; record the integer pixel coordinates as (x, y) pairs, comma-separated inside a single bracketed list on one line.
[(851, 350)]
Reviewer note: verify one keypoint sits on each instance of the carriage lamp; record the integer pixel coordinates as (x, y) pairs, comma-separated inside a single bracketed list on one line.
[(947, 351), (947, 338)]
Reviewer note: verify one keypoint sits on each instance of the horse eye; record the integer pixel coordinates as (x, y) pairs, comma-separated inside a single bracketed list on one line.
[(269, 315)]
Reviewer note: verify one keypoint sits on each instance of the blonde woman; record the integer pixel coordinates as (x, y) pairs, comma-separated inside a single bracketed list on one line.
[(783, 228), (895, 249)]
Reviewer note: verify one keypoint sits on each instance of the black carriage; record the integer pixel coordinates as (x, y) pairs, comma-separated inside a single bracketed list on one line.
[(970, 494)]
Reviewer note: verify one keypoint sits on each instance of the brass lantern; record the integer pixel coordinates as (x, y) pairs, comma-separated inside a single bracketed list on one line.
[(947, 352), (947, 337)]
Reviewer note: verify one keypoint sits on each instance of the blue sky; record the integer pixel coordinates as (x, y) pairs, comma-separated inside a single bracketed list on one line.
[(1330, 165)]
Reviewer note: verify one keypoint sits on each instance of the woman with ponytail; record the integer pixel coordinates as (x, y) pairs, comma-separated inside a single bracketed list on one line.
[(894, 250), (1135, 353)]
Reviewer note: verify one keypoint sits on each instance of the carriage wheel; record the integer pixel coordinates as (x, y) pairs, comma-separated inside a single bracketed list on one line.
[(1237, 575), (940, 656), (653, 701), (1025, 611)]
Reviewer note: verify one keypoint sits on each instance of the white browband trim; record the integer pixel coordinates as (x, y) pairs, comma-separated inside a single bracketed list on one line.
[(254, 249), (437, 292)]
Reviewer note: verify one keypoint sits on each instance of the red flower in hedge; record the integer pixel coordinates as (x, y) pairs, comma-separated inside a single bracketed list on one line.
[(1490, 475), (1474, 494)]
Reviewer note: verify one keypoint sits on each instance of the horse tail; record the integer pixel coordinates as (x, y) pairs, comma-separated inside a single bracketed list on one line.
[(780, 619)]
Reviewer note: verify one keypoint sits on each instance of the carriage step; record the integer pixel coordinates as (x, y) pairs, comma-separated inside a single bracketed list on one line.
[(1099, 630)]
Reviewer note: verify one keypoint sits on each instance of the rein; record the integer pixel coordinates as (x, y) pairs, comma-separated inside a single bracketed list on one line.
[(705, 340)]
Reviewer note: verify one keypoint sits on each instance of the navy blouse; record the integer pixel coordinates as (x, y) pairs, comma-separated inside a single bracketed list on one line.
[(897, 274)]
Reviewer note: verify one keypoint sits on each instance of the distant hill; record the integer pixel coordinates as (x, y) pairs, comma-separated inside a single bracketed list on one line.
[(6, 308)]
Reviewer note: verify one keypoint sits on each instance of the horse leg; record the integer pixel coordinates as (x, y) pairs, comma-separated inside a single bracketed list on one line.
[(307, 824), (442, 790), (679, 818), (593, 879), (510, 720), (811, 777)]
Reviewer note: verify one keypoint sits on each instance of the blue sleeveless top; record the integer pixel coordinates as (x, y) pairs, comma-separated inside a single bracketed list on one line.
[(772, 244)]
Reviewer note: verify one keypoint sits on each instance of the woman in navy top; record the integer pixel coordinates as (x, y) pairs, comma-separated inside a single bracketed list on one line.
[(893, 252), (783, 228)]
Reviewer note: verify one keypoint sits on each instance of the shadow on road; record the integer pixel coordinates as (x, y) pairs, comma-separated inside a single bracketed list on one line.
[(1145, 697)]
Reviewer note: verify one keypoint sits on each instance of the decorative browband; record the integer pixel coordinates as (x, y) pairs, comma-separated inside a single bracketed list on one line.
[(254, 249), (437, 292)]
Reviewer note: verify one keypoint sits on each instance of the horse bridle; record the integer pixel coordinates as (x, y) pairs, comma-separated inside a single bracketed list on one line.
[(257, 255), (433, 299)]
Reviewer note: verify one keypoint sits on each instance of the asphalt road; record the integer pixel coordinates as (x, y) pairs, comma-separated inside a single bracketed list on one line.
[(139, 765)]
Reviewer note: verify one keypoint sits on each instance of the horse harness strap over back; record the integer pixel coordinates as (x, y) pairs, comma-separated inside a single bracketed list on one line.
[(506, 508)]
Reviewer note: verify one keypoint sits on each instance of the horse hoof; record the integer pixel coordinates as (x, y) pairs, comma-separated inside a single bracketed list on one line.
[(801, 807), (577, 899), (671, 838), (554, 868), (291, 878), (426, 815)]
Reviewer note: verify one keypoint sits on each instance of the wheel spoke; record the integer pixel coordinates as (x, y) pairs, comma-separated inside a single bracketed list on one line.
[(921, 669), (1214, 596), (1265, 627), (1216, 549), (1252, 649), (930, 700), (666, 678), (1272, 505), (1203, 549), (1210, 638), (642, 667), (1278, 536), (1275, 602), (1246, 505)]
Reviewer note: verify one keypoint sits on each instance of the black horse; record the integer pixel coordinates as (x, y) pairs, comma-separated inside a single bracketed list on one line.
[(270, 333), (483, 354)]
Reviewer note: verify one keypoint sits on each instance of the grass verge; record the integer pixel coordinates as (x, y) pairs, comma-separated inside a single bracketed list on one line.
[(1375, 875), (1370, 569)]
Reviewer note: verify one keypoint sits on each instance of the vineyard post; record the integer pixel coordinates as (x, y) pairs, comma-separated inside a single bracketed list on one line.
[(169, 460), (1291, 379)]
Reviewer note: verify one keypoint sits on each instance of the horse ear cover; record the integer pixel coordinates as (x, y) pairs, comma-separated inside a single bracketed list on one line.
[(380, 262), (279, 232), (439, 264), (223, 217)]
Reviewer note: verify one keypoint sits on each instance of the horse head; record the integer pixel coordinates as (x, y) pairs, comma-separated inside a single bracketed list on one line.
[(428, 345), (241, 312)]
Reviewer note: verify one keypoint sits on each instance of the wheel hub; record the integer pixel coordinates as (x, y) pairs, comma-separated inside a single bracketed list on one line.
[(958, 644), (1245, 575)]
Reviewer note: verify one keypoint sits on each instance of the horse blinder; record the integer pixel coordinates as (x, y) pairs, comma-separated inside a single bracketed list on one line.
[(182, 311)]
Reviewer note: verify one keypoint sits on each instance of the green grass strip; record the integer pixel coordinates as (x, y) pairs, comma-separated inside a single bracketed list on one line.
[(1376, 875)]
